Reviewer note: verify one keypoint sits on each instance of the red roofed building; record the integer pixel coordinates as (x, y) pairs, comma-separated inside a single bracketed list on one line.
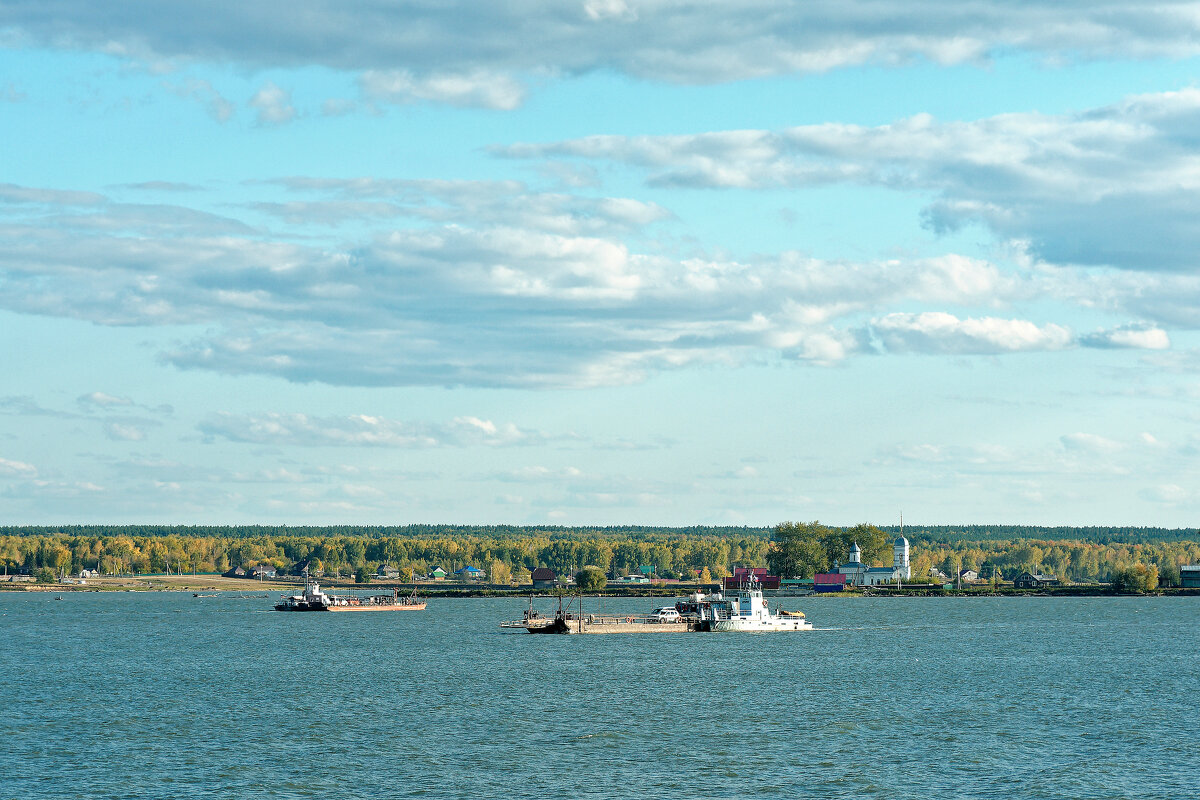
[(742, 574)]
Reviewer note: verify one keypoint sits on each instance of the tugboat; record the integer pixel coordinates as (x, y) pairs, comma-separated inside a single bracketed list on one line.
[(745, 610), (314, 599)]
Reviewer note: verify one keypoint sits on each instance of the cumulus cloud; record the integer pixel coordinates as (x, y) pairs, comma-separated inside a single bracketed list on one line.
[(1138, 337), (939, 332), (123, 431), (1114, 186), (273, 104), (702, 41), (362, 430)]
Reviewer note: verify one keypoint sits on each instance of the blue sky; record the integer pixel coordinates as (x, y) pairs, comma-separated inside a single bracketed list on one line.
[(599, 263)]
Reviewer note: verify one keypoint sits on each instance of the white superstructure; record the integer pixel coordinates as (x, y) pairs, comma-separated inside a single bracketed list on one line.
[(746, 610)]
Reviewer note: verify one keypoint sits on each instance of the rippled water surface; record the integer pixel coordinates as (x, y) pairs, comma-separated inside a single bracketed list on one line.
[(165, 695)]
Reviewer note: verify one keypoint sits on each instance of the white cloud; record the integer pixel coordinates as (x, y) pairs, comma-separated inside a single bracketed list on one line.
[(17, 468), (939, 332), (1114, 186), (273, 104), (476, 89), (361, 430), (124, 432), (489, 284), (1136, 337), (104, 400)]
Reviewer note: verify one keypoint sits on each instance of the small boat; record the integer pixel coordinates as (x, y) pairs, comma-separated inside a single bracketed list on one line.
[(745, 610), (313, 599)]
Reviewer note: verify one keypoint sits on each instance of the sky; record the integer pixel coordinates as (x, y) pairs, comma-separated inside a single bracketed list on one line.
[(600, 263)]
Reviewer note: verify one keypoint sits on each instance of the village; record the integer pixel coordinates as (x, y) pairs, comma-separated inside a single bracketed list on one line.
[(850, 576)]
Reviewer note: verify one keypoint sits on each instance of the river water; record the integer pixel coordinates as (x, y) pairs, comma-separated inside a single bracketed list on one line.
[(161, 695)]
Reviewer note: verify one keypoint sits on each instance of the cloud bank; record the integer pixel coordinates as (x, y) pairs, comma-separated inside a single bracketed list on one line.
[(473, 54), (1114, 186), (493, 284)]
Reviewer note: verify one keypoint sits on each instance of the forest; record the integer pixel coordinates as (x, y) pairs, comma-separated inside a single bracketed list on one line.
[(508, 553)]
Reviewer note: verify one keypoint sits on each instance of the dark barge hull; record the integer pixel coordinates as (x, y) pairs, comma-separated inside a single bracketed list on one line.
[(301, 607), (557, 626)]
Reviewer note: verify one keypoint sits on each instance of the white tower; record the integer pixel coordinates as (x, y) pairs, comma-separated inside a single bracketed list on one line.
[(855, 554), (900, 559)]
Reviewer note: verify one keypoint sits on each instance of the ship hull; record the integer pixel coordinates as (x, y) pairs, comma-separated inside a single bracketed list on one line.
[(749, 626), (410, 607), (300, 607)]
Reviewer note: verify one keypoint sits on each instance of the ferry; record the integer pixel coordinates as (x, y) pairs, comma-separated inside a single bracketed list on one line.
[(313, 599), (745, 610)]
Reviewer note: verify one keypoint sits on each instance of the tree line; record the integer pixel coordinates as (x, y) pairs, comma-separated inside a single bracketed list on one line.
[(509, 553), (800, 549)]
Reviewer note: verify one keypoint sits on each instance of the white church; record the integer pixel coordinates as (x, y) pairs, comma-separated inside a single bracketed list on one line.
[(859, 574)]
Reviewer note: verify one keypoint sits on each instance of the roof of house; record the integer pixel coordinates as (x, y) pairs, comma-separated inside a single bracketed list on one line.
[(467, 568), (543, 574)]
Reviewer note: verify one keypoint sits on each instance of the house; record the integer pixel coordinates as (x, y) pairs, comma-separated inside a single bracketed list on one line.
[(543, 578), (469, 573), (968, 576), (1034, 580), (236, 572), (387, 572), (1189, 576), (632, 579), (89, 573), (937, 575), (262, 571), (437, 574)]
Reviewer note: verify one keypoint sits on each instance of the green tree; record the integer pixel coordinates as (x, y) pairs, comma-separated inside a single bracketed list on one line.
[(1137, 578), (591, 579), (499, 572), (1168, 573), (797, 549), (361, 575)]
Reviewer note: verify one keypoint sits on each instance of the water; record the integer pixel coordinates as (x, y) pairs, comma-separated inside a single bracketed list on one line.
[(158, 695)]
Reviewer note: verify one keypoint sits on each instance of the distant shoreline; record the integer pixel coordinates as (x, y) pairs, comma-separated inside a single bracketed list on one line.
[(219, 583)]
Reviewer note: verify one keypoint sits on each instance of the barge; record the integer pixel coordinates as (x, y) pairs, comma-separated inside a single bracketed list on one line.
[(744, 610), (313, 599)]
